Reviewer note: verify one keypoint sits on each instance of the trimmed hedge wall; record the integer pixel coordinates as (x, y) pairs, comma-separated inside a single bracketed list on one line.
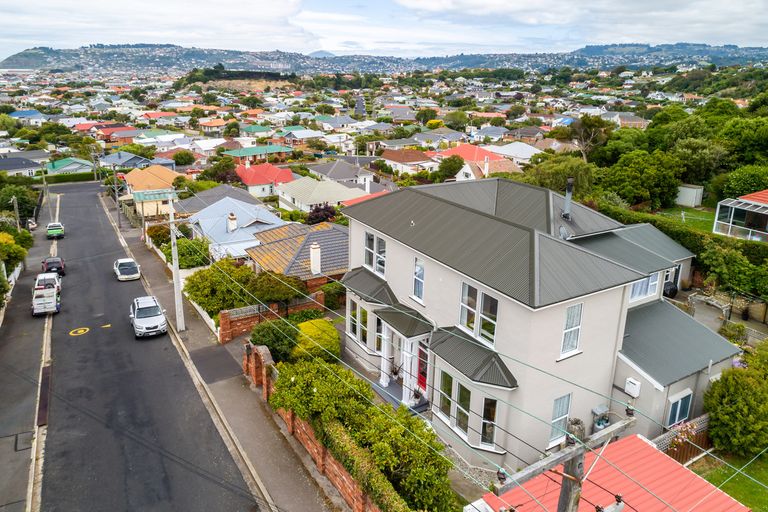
[(68, 178), (360, 464), (694, 241)]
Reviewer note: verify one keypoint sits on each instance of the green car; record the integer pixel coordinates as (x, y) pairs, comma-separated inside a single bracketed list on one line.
[(54, 230)]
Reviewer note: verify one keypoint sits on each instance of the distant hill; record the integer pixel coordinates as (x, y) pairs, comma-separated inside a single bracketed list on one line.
[(171, 58)]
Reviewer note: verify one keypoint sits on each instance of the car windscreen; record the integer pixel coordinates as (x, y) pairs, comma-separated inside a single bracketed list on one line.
[(53, 262), (54, 226), (127, 268), (148, 312)]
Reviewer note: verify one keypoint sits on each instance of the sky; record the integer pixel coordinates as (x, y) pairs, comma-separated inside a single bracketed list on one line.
[(406, 28)]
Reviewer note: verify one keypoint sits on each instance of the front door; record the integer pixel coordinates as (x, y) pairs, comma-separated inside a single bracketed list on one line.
[(423, 363)]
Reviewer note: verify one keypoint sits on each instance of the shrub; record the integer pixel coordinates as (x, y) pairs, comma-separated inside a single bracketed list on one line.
[(160, 234), (274, 287), (219, 287), (69, 178), (4, 289), (735, 333), (305, 315), (318, 338), (22, 237), (737, 404), (745, 180), (278, 336), (10, 252), (192, 253), (334, 294)]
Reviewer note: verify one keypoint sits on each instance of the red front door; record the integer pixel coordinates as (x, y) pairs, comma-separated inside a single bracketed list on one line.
[(423, 362)]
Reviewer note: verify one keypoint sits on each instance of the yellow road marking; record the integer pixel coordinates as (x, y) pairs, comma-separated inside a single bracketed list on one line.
[(79, 331), (106, 325)]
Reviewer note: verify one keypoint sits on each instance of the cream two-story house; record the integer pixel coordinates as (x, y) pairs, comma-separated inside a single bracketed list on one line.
[(468, 300)]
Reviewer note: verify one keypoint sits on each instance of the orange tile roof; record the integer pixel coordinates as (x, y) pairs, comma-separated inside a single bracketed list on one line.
[(657, 472), (214, 123), (153, 177), (757, 197)]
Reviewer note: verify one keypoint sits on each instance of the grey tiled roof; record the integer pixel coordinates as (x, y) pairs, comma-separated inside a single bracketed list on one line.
[(517, 260), (669, 345), (471, 358), (207, 197)]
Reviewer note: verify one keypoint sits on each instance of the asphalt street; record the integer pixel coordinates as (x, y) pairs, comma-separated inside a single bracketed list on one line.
[(127, 429)]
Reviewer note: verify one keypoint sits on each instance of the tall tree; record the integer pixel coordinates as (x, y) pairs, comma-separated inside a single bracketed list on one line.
[(590, 132)]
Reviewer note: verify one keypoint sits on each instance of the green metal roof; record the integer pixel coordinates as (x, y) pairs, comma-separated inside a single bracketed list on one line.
[(259, 150), (154, 195), (471, 358), (405, 320), (58, 164), (670, 345), (256, 128)]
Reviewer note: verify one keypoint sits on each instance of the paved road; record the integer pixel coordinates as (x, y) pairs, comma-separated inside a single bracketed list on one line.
[(21, 339), (127, 430)]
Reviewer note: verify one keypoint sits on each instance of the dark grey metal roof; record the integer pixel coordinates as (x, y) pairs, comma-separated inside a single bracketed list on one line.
[(13, 163), (471, 358), (524, 204), (405, 320), (369, 286), (625, 252), (649, 237), (520, 262), (669, 345), (208, 197), (339, 170)]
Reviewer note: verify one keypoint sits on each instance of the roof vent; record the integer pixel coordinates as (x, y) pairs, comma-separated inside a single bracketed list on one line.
[(568, 198)]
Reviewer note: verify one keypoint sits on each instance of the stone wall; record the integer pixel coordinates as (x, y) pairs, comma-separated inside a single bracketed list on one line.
[(235, 322), (258, 367)]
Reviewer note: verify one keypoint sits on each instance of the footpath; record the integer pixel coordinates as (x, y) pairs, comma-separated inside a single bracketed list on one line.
[(290, 479)]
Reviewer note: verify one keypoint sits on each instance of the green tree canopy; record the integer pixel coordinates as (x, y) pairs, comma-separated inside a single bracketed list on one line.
[(222, 171), (447, 169), (324, 108), (591, 132), (553, 173), (139, 149), (271, 287), (745, 180), (425, 115), (640, 176), (184, 157), (25, 197), (457, 120)]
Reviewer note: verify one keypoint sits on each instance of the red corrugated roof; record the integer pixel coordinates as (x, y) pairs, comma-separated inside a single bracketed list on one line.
[(757, 197), (636, 457), (350, 202), (263, 174), (156, 115), (468, 152)]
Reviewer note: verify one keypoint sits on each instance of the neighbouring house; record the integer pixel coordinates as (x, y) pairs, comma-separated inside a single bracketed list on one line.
[(648, 481), (558, 146), (745, 217), (626, 120), (124, 160), (207, 147), (342, 171), (262, 179), (213, 128), (480, 170), (440, 136), (191, 205), (15, 166), (229, 225), (518, 152), (306, 193), (408, 161), (297, 137), (68, 165), (141, 185), (541, 287), (40, 156), (257, 154), (286, 250), (489, 134)]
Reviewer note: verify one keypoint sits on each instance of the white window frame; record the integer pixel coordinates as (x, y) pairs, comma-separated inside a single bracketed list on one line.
[(476, 329), (676, 402), (375, 255), (557, 434), (354, 319), (459, 409), (443, 396), (564, 351), (644, 288), (491, 422), (378, 344), (418, 293)]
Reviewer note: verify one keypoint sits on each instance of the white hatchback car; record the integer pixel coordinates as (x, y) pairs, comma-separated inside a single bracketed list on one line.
[(147, 317), (126, 269)]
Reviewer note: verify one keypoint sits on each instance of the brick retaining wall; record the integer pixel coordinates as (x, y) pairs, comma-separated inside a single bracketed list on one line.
[(258, 367), (236, 322)]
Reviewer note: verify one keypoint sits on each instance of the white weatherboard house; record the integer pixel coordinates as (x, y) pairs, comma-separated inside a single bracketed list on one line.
[(466, 298)]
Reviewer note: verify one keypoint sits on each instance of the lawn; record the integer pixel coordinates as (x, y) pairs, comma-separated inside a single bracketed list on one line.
[(696, 218), (741, 488)]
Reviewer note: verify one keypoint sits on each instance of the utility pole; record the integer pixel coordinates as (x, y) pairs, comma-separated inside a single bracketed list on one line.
[(570, 490), (572, 459), (176, 279), (15, 202), (47, 197), (117, 203)]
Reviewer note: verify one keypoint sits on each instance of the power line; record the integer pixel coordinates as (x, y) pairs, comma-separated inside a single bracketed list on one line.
[(503, 401)]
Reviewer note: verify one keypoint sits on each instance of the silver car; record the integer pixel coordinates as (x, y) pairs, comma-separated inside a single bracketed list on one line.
[(126, 269), (147, 317)]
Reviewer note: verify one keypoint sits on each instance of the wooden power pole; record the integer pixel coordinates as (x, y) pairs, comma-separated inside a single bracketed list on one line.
[(572, 459)]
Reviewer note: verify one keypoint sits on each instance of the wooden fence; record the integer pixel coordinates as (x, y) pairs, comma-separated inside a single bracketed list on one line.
[(687, 441)]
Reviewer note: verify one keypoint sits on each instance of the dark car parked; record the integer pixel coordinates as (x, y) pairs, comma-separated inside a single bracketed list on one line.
[(54, 264)]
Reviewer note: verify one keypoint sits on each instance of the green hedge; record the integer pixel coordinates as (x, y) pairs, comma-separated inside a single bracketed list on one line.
[(69, 178), (693, 240), (360, 464), (334, 293)]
